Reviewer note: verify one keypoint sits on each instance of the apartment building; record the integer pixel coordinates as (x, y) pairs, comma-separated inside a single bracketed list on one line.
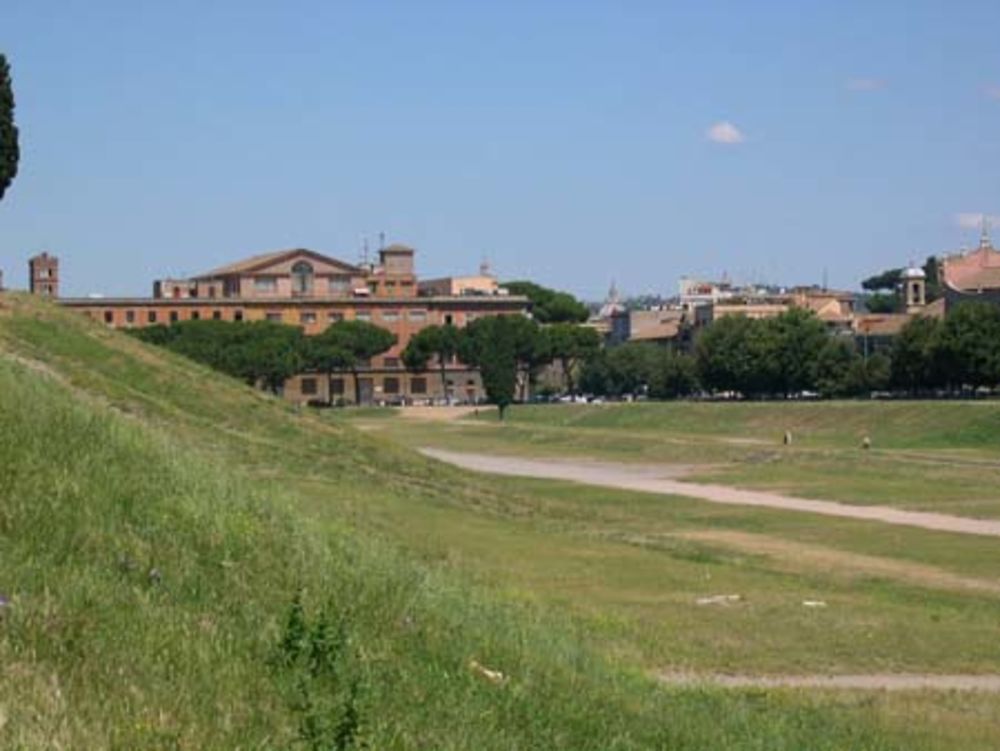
[(305, 288)]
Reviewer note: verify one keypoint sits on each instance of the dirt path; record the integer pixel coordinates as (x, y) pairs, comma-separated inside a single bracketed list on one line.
[(662, 480), (796, 555), (441, 414), (864, 682)]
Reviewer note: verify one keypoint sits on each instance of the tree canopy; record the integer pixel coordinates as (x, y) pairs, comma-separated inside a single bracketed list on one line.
[(917, 355), (569, 344), (501, 347), (761, 357), (970, 345), (327, 354), (798, 339), (886, 280), (356, 342), (549, 305), (9, 150), (883, 302), (258, 352), (734, 354), (639, 368), (433, 342)]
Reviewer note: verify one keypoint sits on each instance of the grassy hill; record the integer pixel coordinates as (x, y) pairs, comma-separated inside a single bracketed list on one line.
[(164, 585)]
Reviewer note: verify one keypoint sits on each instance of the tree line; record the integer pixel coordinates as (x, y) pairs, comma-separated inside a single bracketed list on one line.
[(794, 354), (508, 350), (790, 355)]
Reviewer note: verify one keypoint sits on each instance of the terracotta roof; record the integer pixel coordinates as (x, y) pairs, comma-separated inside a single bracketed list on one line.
[(828, 309), (651, 325), (885, 324), (398, 248), (267, 259), (979, 269), (665, 330)]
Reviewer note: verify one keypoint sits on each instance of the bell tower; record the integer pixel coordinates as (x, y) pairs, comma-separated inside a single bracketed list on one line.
[(914, 282), (43, 275)]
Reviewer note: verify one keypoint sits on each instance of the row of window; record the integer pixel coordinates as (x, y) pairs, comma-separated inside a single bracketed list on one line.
[(391, 385), (152, 316), (305, 317), (386, 316), (302, 283)]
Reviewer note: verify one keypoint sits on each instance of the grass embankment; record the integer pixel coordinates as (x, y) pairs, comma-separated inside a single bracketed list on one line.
[(154, 542)]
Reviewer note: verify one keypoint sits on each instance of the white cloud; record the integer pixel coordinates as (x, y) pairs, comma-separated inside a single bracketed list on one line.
[(992, 92), (865, 84), (724, 132), (974, 220)]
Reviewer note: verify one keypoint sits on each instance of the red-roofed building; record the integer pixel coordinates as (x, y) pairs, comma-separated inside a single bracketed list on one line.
[(973, 275), (312, 290)]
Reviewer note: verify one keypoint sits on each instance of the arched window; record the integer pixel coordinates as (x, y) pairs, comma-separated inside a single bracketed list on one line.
[(302, 278)]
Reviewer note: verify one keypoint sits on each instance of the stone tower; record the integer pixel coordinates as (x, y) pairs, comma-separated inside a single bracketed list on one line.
[(43, 273), (914, 282)]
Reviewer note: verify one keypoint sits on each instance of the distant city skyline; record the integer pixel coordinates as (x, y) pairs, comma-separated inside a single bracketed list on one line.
[(568, 143)]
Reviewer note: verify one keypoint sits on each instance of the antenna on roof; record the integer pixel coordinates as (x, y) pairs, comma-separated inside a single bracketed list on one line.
[(364, 250), (984, 237), (825, 279), (381, 240)]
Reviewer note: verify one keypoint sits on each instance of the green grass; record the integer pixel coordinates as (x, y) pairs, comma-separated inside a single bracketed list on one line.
[(120, 459), (826, 463), (890, 424)]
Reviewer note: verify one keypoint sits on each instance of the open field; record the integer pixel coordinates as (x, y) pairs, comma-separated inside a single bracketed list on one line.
[(129, 460), (869, 565), (915, 463), (957, 424)]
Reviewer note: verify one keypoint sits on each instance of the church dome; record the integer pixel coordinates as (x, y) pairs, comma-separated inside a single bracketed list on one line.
[(612, 304)]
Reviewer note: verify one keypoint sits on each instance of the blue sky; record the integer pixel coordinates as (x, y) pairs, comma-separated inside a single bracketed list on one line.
[(568, 142)]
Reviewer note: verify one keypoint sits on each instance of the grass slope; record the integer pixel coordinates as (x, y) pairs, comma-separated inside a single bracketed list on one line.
[(162, 592)]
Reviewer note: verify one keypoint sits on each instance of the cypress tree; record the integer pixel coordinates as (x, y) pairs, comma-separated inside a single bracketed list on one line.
[(9, 151)]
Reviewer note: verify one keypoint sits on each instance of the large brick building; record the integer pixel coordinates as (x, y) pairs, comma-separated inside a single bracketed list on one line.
[(308, 289), (974, 275)]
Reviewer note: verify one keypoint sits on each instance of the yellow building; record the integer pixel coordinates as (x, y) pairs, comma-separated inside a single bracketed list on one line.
[(308, 289)]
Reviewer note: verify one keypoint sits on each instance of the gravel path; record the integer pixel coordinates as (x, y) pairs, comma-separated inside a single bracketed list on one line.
[(662, 480), (864, 682)]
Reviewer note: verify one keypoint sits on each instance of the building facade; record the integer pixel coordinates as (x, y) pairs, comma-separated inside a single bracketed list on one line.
[(483, 283), (974, 275), (304, 288)]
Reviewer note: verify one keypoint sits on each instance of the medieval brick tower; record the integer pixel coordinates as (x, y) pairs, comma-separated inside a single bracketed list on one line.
[(43, 272)]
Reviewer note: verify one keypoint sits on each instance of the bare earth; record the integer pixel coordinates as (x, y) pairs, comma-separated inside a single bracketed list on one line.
[(842, 564), (662, 480), (442, 414), (865, 682)]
